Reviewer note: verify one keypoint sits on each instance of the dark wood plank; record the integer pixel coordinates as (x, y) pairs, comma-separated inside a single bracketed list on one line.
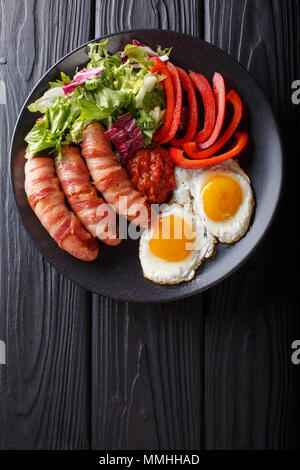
[(251, 387), (44, 319), (120, 15), (147, 375), (147, 368)]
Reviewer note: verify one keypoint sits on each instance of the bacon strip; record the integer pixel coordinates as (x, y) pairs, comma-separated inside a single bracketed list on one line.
[(47, 201), (110, 178), (96, 216)]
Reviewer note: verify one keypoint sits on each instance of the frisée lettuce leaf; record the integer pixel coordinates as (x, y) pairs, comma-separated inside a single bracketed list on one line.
[(59, 83), (42, 104), (147, 124), (75, 134), (154, 98), (50, 131)]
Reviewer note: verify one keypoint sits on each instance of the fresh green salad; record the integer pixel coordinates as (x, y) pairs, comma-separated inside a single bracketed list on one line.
[(110, 87)]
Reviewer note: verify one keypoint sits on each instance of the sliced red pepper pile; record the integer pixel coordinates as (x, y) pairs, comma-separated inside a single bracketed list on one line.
[(204, 145)]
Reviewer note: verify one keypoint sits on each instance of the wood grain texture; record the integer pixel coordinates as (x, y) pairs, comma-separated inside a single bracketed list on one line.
[(147, 375), (44, 319), (120, 15), (251, 387), (147, 371), (26, 42)]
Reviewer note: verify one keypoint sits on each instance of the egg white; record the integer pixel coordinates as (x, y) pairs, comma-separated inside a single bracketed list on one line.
[(161, 271), (189, 184), (184, 184)]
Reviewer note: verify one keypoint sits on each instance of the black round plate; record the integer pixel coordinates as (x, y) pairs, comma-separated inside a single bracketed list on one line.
[(117, 272)]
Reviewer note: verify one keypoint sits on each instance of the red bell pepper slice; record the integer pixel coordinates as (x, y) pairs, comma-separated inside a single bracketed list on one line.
[(220, 99), (178, 103), (178, 158), (191, 148), (204, 88), (162, 69), (193, 109)]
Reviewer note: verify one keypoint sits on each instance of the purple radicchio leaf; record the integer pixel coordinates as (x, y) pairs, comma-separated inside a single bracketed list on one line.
[(126, 136)]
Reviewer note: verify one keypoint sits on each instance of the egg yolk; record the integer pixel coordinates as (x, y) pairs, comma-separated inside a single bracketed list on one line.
[(173, 239), (222, 196)]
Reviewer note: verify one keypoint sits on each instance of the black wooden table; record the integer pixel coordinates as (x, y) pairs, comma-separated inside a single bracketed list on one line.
[(213, 371)]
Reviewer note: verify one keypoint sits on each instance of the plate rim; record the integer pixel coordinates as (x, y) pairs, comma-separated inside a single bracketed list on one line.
[(266, 229)]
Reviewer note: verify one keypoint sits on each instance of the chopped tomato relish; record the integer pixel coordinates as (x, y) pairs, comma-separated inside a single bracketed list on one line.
[(152, 173)]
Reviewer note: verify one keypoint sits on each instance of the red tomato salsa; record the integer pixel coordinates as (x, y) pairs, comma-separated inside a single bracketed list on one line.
[(152, 173)]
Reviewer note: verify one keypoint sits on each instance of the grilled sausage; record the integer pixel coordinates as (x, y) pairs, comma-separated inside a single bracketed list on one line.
[(96, 216), (47, 201), (110, 178)]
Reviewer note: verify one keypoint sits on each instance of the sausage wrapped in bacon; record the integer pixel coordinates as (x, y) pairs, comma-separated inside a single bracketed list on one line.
[(96, 216), (47, 200), (110, 178)]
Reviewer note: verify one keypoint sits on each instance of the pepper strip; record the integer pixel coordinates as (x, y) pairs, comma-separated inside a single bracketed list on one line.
[(178, 103), (191, 148), (193, 109), (161, 68), (219, 91), (209, 104), (176, 154)]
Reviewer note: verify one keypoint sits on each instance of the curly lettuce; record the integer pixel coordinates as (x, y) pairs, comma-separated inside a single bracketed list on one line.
[(118, 84)]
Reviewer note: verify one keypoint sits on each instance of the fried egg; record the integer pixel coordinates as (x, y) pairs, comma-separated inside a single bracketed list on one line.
[(221, 195), (172, 250)]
